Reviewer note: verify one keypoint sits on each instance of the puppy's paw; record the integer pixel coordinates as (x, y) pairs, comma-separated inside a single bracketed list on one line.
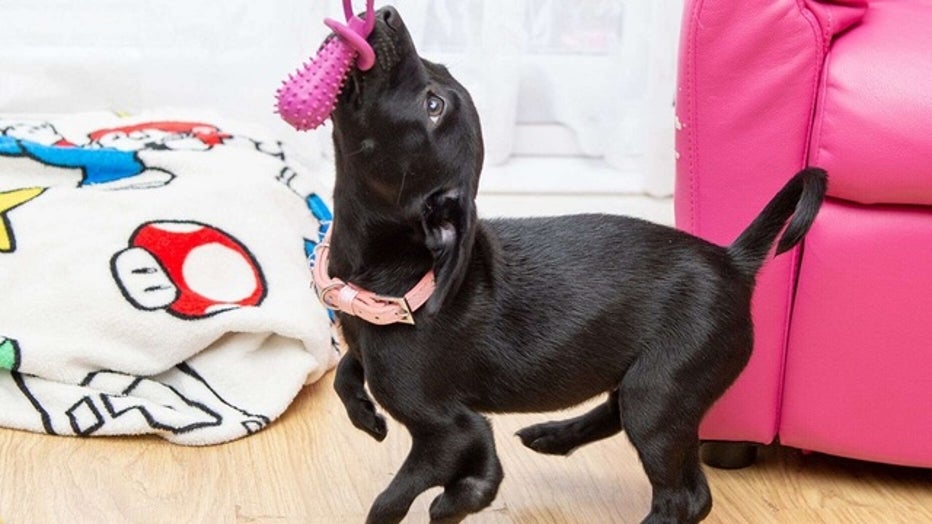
[(363, 415), (376, 427), (550, 438), (465, 496)]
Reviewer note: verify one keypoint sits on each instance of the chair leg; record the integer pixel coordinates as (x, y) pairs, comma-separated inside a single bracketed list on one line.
[(728, 455)]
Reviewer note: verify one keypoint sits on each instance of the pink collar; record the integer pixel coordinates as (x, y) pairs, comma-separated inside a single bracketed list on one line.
[(338, 295)]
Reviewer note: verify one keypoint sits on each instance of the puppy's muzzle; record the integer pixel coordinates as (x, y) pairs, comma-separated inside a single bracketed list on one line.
[(384, 39)]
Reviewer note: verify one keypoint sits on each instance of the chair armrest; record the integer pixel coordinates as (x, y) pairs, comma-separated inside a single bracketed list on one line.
[(748, 79)]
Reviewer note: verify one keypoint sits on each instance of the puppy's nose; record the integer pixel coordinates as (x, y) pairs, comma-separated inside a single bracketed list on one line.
[(391, 17)]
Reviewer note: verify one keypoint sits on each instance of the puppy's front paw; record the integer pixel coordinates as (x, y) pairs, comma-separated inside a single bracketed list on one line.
[(550, 438), (363, 415), (377, 427), (465, 496)]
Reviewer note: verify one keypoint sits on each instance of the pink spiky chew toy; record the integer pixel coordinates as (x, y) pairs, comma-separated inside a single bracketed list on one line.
[(309, 95)]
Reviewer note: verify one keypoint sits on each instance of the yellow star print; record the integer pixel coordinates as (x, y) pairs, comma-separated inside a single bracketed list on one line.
[(8, 201)]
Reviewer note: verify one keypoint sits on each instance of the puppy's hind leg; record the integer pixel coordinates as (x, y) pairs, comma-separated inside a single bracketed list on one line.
[(564, 436), (663, 426)]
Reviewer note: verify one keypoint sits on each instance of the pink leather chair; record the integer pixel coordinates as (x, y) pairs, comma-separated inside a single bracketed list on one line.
[(842, 362)]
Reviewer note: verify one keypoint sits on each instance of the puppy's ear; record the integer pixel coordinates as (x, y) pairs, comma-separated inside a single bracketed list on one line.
[(449, 221)]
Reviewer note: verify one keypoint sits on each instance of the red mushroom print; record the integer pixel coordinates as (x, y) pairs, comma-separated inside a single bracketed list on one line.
[(190, 269)]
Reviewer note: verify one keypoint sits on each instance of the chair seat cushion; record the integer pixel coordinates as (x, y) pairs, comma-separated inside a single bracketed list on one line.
[(872, 123), (857, 378)]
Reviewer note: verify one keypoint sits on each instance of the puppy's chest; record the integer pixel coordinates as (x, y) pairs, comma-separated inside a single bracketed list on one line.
[(421, 356), (381, 349)]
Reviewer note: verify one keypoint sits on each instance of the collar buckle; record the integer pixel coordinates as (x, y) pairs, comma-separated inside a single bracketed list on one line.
[(404, 315)]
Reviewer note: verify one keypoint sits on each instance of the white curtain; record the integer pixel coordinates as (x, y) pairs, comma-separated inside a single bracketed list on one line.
[(584, 77), (591, 78)]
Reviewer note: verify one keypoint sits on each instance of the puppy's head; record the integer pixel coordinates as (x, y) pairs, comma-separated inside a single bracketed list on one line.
[(409, 150)]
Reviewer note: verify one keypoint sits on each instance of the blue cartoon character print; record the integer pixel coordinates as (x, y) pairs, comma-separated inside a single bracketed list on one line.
[(101, 165), (110, 157)]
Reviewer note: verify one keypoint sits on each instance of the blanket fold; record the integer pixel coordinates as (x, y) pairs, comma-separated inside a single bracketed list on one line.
[(154, 276)]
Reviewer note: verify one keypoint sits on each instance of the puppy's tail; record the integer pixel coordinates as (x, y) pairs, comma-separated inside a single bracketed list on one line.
[(799, 202)]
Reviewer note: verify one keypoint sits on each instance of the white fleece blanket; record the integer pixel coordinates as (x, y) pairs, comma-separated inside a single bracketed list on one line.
[(154, 278)]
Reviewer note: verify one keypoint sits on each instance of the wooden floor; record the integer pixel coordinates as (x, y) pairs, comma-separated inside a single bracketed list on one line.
[(311, 466)]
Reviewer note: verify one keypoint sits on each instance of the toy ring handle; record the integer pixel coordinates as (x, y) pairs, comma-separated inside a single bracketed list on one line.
[(370, 18)]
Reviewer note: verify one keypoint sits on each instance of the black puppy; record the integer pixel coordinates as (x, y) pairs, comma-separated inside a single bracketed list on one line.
[(528, 315)]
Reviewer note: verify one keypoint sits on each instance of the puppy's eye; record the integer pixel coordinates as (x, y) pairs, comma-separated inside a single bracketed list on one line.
[(435, 106)]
